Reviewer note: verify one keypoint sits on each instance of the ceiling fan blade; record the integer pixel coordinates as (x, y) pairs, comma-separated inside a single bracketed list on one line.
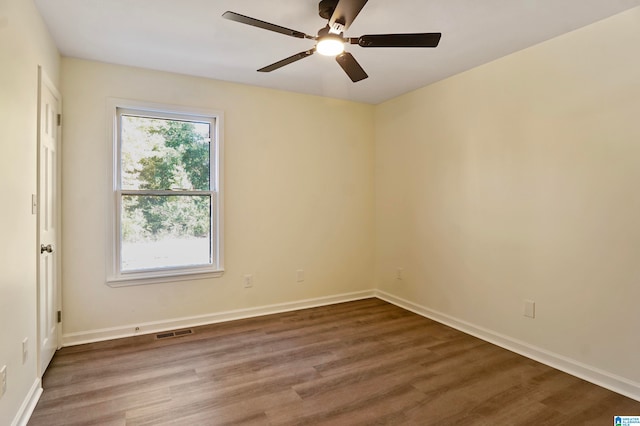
[(351, 67), (399, 40), (287, 61), (345, 13), (264, 25)]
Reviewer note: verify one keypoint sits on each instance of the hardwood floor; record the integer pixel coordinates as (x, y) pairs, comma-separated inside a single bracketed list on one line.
[(359, 363)]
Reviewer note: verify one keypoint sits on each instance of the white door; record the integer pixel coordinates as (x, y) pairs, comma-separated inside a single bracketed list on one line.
[(48, 220)]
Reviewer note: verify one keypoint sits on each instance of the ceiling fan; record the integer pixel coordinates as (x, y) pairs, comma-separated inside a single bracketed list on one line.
[(331, 40)]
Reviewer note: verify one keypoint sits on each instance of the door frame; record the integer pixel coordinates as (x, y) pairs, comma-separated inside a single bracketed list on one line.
[(45, 81)]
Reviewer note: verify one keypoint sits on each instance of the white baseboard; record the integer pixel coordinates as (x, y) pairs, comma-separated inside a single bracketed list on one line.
[(575, 368), (28, 405), (92, 336)]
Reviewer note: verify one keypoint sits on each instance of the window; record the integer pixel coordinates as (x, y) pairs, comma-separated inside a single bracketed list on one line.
[(166, 193)]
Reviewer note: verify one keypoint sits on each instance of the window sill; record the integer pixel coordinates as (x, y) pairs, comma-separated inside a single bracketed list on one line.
[(174, 276)]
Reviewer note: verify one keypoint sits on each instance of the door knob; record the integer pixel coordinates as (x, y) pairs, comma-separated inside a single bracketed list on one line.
[(46, 248)]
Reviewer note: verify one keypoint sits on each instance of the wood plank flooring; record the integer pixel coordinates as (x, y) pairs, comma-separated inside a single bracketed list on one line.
[(358, 363)]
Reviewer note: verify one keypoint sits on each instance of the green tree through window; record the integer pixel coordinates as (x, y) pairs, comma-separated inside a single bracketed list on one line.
[(165, 168)]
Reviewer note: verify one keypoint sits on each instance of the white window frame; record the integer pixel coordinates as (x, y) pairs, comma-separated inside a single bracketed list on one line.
[(118, 278)]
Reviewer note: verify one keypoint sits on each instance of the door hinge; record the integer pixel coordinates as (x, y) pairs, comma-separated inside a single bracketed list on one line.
[(59, 316), (59, 119)]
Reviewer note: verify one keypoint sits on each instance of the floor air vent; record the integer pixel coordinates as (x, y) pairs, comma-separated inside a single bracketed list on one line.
[(177, 333)]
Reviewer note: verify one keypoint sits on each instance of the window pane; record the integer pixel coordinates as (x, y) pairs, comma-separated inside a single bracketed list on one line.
[(164, 154), (165, 231)]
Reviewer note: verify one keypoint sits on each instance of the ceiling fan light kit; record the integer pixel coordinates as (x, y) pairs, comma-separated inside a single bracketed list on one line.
[(330, 40), (329, 44)]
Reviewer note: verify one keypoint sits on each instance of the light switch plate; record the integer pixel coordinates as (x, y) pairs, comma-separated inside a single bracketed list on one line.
[(248, 281), (3, 380), (25, 349), (529, 309)]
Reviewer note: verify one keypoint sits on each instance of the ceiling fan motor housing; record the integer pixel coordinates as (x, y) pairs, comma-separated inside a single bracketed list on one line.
[(326, 8), (323, 32)]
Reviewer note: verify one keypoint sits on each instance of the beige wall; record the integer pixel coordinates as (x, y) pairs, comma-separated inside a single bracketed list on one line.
[(24, 44), (298, 195), (519, 180)]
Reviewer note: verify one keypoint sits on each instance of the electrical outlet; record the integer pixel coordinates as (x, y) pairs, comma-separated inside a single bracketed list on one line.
[(399, 274), (248, 281), (529, 309), (25, 349), (300, 275), (3, 380)]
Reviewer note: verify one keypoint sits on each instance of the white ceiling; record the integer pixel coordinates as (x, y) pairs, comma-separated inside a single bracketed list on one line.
[(191, 37)]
